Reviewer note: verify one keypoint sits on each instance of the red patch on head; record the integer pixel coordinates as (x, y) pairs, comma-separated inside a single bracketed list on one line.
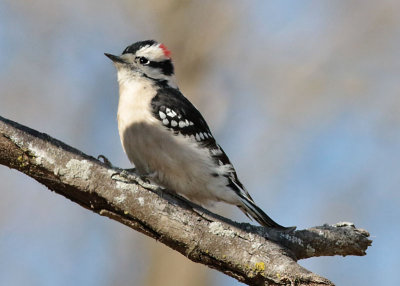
[(167, 52)]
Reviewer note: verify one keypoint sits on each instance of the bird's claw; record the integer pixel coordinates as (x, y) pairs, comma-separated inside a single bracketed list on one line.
[(105, 161), (128, 176)]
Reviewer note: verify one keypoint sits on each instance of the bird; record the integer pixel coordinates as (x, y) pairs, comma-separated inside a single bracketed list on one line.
[(167, 139)]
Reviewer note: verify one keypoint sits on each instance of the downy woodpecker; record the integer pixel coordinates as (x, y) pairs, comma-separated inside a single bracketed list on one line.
[(166, 137)]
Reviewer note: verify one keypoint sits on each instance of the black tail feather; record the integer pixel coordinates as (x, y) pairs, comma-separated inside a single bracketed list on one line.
[(253, 211)]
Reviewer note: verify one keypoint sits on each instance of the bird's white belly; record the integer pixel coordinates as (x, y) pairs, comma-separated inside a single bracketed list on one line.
[(180, 167)]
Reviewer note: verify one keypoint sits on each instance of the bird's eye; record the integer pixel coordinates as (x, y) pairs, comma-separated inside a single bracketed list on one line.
[(144, 61)]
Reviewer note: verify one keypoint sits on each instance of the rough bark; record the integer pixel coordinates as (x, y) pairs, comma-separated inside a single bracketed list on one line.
[(251, 254)]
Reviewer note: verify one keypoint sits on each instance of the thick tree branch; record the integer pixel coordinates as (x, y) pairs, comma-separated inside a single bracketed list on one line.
[(251, 254)]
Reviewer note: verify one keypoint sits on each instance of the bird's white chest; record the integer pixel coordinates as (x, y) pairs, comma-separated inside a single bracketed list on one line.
[(135, 104)]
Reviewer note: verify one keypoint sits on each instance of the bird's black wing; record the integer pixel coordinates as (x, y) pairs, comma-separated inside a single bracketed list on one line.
[(179, 115)]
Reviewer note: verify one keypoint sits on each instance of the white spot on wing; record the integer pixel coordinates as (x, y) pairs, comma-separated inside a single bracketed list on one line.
[(162, 115), (181, 124), (205, 135), (227, 169), (216, 152), (174, 123), (165, 121), (186, 122), (170, 112), (191, 123), (197, 137), (201, 135)]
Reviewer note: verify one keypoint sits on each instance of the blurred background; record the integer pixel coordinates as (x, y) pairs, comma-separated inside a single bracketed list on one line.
[(304, 96)]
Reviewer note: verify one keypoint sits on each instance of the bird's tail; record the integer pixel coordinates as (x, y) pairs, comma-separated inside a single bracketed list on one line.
[(253, 211)]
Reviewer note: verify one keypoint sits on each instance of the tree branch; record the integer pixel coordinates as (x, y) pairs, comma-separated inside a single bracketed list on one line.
[(251, 254)]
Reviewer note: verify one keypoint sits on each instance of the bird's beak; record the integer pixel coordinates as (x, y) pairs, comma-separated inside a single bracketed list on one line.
[(115, 59)]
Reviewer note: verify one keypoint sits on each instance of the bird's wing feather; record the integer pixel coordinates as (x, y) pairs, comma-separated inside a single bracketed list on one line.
[(179, 115)]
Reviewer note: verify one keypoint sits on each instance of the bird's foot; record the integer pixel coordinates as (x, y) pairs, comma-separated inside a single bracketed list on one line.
[(129, 176)]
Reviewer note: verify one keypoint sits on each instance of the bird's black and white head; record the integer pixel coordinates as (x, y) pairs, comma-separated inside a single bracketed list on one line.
[(148, 59)]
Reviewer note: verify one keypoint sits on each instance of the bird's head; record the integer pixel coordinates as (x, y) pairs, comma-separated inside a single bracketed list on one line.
[(147, 59)]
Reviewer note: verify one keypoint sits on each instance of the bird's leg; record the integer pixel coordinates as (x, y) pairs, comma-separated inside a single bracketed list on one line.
[(129, 176)]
